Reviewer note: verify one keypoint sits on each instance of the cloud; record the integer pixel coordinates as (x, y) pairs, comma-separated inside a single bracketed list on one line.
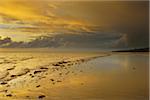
[(4, 41), (36, 18), (89, 24), (99, 40), (122, 42)]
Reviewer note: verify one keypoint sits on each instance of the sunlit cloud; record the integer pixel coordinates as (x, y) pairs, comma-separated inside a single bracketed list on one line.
[(27, 20), (39, 14)]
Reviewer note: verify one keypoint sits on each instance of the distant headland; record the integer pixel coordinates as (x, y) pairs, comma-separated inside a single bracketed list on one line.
[(134, 50)]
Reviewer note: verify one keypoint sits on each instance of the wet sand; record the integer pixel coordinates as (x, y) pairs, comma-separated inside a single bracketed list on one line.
[(73, 76)]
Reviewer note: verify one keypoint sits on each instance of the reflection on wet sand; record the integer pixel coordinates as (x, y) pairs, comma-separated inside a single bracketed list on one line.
[(108, 78), (79, 76)]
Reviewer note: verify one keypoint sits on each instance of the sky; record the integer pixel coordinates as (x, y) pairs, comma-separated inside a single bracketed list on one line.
[(74, 24)]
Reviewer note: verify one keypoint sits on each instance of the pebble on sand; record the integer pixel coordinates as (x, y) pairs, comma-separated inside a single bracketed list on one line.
[(3, 83), (52, 79), (41, 96), (9, 95), (38, 85)]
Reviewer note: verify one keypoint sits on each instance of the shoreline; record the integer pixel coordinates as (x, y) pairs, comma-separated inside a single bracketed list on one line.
[(8, 80)]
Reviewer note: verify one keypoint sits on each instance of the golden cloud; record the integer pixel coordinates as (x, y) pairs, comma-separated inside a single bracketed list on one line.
[(44, 17)]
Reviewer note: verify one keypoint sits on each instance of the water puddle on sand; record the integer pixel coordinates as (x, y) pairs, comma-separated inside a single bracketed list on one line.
[(116, 77)]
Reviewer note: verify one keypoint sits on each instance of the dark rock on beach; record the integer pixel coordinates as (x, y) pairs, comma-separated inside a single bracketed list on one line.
[(41, 96)]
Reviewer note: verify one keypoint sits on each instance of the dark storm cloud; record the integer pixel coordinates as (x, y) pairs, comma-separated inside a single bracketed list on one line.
[(5, 40), (90, 40), (112, 25), (128, 17)]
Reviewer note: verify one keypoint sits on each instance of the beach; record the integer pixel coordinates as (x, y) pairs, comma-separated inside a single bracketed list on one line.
[(54, 75)]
